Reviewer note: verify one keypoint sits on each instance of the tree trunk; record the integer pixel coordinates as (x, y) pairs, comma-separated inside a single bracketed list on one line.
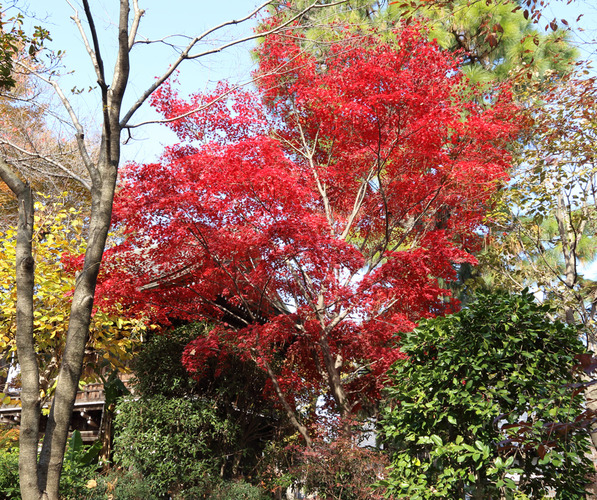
[(30, 401), (332, 366), (52, 453), (25, 273)]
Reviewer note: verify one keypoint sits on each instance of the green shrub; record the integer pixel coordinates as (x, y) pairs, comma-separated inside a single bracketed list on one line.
[(121, 484), (232, 387), (118, 484), (486, 394), (236, 490), (80, 465), (9, 473), (173, 443)]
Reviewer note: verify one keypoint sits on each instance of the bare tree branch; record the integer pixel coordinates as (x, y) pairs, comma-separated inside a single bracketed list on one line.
[(80, 131), (34, 155), (135, 25), (94, 53), (186, 53)]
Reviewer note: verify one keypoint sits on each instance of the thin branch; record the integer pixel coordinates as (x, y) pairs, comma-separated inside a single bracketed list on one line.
[(183, 56), (94, 53), (80, 132), (358, 203), (135, 25), (162, 121), (186, 53), (49, 160), (309, 154)]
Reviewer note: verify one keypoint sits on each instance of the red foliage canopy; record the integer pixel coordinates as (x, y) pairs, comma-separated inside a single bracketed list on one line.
[(314, 219)]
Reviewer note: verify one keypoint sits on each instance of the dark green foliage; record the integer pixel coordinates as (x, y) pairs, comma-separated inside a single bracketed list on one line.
[(175, 444), (488, 393), (158, 368), (193, 436), (233, 386)]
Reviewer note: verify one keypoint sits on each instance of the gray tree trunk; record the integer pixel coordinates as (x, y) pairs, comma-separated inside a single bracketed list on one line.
[(25, 267)]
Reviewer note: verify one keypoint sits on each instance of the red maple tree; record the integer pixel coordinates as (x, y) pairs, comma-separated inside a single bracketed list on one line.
[(314, 219)]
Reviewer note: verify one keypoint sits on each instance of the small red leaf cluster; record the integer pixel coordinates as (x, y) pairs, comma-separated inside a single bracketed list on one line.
[(315, 218)]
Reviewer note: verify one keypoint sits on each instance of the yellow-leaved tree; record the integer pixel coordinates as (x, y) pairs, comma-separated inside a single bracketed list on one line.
[(58, 239)]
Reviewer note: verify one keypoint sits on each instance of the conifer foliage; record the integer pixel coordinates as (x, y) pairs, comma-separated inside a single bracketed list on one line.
[(314, 218)]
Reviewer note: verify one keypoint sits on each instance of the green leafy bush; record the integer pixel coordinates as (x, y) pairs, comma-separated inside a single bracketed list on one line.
[(487, 395), (118, 484), (230, 389), (237, 490), (9, 473), (80, 466), (175, 444)]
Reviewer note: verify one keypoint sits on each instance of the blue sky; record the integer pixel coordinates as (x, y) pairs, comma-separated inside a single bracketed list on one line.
[(162, 18), (189, 18)]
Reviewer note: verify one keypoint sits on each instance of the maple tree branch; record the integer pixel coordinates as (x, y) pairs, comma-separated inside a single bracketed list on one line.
[(304, 283), (309, 154), (203, 242), (358, 203), (281, 396), (414, 223), (163, 121)]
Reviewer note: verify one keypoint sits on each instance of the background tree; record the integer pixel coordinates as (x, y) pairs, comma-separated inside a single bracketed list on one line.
[(548, 211), (48, 161), (497, 39), (490, 392), (59, 240), (313, 235), (543, 234)]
